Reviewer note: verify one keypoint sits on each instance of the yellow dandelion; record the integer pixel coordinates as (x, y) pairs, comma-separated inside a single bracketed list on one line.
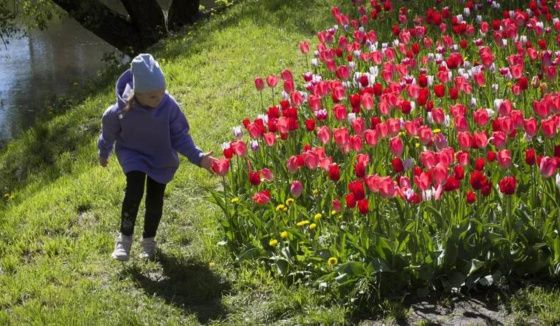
[(280, 207), (436, 131), (289, 201), (302, 223), (312, 226), (273, 242), (235, 200), (284, 209), (332, 261), (333, 212), (317, 217), (284, 234)]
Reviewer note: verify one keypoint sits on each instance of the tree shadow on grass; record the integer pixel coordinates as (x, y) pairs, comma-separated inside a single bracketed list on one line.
[(189, 285)]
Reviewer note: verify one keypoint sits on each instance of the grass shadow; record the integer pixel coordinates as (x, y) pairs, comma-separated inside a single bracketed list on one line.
[(501, 305), (188, 285)]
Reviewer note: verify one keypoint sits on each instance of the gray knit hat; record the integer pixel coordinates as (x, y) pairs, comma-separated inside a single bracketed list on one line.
[(146, 74)]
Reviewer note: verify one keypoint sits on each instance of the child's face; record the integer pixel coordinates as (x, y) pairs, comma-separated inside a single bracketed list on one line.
[(150, 99)]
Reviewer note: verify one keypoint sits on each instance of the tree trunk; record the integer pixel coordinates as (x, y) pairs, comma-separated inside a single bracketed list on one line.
[(181, 13), (144, 28), (147, 17)]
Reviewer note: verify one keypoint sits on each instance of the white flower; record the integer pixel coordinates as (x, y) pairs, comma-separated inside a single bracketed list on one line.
[(427, 194), (497, 103), (473, 102), (430, 118), (351, 117), (237, 132), (225, 145), (314, 62), (254, 145), (351, 65), (558, 180)]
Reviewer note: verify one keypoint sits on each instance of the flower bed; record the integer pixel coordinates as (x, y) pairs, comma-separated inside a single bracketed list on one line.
[(427, 160)]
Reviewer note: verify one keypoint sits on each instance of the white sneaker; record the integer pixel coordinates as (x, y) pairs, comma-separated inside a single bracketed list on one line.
[(122, 247), (149, 246)]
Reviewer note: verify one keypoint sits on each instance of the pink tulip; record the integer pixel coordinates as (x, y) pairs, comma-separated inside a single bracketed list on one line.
[(293, 164), (220, 166), (439, 173), (396, 145), (269, 138), (323, 133), (296, 188), (548, 166), (267, 174), (423, 181), (304, 47), (370, 137), (481, 117), (504, 158), (262, 197), (239, 147), (271, 81)]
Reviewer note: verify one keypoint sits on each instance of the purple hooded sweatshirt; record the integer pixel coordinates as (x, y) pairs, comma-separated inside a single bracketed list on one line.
[(147, 139)]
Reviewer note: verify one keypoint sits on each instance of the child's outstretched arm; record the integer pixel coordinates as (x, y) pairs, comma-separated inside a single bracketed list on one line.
[(110, 127), (182, 141)]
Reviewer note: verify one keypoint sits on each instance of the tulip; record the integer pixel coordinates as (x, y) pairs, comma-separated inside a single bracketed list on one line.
[(220, 166), (296, 188)]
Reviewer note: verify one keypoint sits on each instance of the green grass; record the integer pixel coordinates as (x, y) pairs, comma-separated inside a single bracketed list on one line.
[(60, 210)]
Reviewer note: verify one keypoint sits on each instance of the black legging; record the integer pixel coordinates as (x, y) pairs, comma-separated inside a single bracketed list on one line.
[(135, 181)]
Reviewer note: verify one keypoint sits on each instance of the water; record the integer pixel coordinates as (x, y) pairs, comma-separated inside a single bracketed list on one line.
[(47, 64)]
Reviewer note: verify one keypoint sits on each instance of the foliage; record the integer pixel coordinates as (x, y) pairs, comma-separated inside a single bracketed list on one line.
[(407, 161)]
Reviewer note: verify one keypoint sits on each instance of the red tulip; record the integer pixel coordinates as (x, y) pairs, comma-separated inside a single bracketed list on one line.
[(530, 156), (334, 172), (255, 178), (439, 90), (350, 200), (471, 197), (478, 180), (357, 188), (507, 185), (363, 206), (397, 164), (259, 84)]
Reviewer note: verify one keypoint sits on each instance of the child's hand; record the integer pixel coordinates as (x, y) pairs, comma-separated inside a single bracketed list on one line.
[(103, 161), (206, 161)]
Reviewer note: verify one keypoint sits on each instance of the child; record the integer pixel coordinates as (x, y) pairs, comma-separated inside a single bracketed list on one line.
[(149, 129)]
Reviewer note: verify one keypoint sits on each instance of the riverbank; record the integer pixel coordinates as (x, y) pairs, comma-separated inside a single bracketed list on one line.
[(60, 210)]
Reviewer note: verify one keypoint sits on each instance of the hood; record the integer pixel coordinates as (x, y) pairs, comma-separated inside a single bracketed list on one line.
[(123, 87)]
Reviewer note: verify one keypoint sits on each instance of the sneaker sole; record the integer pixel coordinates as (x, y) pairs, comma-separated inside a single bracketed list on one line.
[(120, 258)]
